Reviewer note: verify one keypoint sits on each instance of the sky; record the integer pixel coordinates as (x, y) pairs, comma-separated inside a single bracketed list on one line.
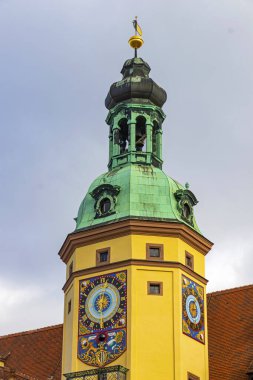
[(58, 59)]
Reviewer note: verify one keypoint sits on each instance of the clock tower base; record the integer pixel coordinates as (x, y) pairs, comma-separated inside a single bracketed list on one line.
[(165, 296)]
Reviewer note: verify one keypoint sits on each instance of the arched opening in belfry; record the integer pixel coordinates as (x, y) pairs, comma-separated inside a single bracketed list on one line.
[(154, 137), (140, 133), (123, 136)]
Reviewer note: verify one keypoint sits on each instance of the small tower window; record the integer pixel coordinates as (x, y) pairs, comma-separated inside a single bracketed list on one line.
[(70, 268), (189, 260), (69, 306), (155, 288), (103, 256), (186, 211), (105, 206), (154, 252)]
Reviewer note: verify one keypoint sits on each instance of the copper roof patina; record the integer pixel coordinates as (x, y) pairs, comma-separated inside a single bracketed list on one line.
[(135, 185)]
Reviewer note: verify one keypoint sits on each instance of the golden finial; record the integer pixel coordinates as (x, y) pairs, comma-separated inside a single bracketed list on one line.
[(136, 41)]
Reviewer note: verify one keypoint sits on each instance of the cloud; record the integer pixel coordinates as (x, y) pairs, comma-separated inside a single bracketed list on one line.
[(14, 295), (25, 307), (229, 265)]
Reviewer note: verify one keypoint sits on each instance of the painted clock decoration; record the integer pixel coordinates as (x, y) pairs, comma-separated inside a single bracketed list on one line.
[(102, 318), (193, 309)]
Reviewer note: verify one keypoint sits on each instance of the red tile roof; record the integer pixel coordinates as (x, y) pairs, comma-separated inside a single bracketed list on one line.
[(230, 331), (34, 354)]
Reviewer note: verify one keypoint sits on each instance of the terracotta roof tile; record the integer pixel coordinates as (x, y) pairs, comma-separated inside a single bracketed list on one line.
[(230, 331), (34, 354)]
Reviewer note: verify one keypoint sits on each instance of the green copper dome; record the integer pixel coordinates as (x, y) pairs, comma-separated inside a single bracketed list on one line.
[(135, 191)]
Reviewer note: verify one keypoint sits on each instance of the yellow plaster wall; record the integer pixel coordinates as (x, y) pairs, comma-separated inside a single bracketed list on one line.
[(152, 346), (170, 246), (199, 258), (156, 346), (134, 246), (68, 333), (85, 257)]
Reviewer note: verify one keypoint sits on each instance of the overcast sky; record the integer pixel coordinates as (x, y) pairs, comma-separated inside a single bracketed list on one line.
[(57, 61)]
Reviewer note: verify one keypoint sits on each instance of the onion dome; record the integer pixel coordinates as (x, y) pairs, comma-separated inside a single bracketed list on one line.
[(135, 86)]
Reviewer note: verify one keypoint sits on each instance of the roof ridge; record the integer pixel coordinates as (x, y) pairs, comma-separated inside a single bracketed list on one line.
[(232, 290), (32, 331)]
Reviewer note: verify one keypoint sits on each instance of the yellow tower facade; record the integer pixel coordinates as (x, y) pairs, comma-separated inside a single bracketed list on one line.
[(135, 291), (159, 343)]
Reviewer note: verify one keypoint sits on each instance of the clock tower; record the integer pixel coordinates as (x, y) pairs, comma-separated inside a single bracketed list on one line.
[(135, 290)]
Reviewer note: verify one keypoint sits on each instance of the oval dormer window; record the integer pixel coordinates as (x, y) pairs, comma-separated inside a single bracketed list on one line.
[(105, 206), (186, 211)]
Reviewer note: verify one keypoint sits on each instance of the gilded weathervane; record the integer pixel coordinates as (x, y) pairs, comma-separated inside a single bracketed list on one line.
[(136, 41)]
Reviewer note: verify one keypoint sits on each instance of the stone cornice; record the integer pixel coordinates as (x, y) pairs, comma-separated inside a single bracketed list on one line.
[(133, 226), (136, 262)]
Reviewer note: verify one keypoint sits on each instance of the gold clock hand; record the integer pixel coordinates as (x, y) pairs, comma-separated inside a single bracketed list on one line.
[(101, 303), (101, 320), (101, 306)]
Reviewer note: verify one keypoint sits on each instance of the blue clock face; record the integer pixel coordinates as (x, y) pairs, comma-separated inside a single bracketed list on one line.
[(193, 309), (102, 303)]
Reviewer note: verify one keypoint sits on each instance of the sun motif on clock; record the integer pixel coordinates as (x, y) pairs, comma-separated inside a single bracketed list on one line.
[(102, 318), (193, 309)]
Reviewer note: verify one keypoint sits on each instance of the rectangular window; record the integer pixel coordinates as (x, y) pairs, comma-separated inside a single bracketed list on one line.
[(155, 288), (154, 251), (189, 260), (190, 376), (70, 268), (103, 256), (69, 306)]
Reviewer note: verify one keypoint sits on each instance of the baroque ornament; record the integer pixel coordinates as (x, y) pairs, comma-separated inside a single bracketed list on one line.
[(185, 202), (105, 199)]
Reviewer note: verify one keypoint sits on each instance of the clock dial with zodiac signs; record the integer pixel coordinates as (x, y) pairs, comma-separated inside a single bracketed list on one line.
[(102, 318), (193, 309)]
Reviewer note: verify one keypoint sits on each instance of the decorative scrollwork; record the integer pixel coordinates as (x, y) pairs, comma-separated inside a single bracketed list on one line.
[(186, 200), (105, 199)]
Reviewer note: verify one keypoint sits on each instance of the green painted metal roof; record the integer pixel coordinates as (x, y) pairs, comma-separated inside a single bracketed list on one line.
[(145, 192)]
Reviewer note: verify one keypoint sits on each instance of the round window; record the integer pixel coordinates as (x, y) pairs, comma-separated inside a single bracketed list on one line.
[(186, 211), (105, 206)]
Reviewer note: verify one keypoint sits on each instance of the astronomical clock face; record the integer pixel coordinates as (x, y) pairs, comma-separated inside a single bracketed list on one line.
[(102, 318), (193, 309)]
